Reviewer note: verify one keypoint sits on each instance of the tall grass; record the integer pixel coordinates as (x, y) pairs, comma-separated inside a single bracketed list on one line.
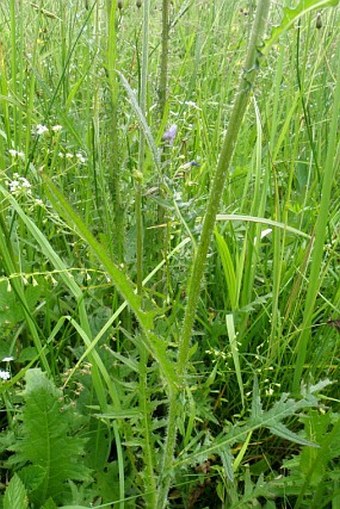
[(175, 288)]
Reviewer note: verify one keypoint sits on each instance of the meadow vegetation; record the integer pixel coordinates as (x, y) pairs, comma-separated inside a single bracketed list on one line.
[(169, 254)]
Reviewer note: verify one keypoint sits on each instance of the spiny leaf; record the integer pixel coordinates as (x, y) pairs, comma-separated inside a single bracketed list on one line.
[(272, 419), (47, 441), (282, 431), (227, 461)]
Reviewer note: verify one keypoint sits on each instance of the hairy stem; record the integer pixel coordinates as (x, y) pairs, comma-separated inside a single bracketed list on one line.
[(194, 284), (115, 180)]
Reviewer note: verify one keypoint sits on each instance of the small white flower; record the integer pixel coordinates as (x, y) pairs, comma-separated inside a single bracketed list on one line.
[(19, 184), (16, 153), (8, 359), (57, 128), (24, 183), (80, 158), (192, 104), (270, 391), (68, 155), (41, 129), (5, 375)]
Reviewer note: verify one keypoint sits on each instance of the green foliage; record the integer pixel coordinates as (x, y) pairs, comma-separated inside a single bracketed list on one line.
[(15, 495), (314, 471), (101, 221), (292, 14), (47, 451)]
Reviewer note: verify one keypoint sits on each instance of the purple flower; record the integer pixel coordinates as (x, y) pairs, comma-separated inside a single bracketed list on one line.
[(170, 134)]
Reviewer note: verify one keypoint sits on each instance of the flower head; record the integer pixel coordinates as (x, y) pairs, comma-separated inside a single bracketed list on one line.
[(19, 184), (57, 128), (5, 375), (40, 129), (16, 153), (80, 158), (9, 358), (170, 134)]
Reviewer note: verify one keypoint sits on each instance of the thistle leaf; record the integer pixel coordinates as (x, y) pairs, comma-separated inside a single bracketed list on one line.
[(47, 440)]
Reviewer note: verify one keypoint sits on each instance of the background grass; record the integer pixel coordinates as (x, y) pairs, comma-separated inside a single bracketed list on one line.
[(269, 305)]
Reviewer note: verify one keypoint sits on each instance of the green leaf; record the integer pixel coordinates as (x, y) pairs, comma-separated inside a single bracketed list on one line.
[(234, 351), (227, 461), (15, 494), (282, 431), (142, 121), (32, 476), (256, 406), (290, 15), (73, 507), (119, 279), (271, 419), (228, 269), (49, 504), (313, 463), (47, 441)]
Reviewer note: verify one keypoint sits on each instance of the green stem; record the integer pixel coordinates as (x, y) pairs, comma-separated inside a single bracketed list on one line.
[(115, 180), (149, 476), (194, 284), (141, 152), (320, 236), (163, 79)]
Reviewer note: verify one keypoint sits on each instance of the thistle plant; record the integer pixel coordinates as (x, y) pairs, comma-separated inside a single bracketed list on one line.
[(195, 280), (173, 395)]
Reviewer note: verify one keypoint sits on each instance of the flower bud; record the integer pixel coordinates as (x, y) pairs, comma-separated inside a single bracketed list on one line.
[(318, 23)]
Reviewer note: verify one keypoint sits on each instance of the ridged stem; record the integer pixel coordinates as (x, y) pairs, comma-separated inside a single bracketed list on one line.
[(141, 152), (163, 78), (115, 180), (194, 284)]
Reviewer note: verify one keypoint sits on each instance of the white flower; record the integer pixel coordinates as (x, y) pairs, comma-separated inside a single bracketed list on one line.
[(68, 155), (7, 359), (57, 128), (16, 153), (80, 158), (19, 184), (5, 375), (41, 129), (192, 104)]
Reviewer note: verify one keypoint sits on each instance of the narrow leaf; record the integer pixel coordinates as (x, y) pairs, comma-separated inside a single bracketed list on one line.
[(142, 121), (119, 279), (256, 406), (282, 431), (227, 461), (234, 351)]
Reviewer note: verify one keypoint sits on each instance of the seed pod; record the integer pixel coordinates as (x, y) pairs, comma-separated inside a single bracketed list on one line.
[(139, 3), (120, 4), (318, 23)]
